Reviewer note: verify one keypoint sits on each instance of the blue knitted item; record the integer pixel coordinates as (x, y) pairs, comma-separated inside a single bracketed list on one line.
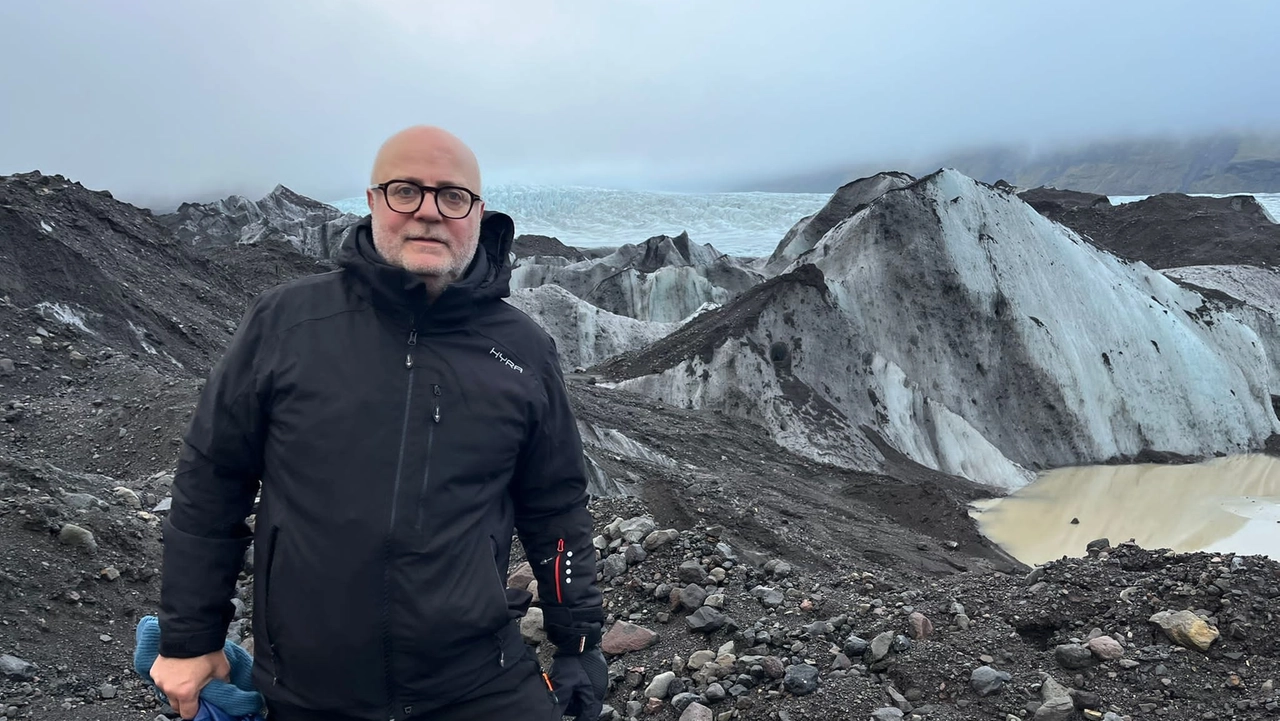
[(238, 699)]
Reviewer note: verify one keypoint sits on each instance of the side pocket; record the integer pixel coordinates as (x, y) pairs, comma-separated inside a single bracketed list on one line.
[(267, 616), (502, 596)]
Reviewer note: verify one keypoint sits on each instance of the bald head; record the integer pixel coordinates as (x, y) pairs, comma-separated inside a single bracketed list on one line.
[(407, 153), (425, 242)]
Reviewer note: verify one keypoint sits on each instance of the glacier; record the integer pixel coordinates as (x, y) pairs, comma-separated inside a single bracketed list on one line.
[(584, 334), (975, 336), (663, 279), (743, 224), (746, 225)]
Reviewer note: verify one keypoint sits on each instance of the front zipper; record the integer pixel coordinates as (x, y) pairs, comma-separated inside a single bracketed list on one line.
[(426, 473), (387, 543)]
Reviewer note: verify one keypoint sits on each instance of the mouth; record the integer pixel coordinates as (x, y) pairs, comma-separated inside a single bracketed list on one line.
[(424, 239)]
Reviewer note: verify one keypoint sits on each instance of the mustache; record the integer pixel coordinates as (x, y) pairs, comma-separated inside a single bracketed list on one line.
[(425, 232)]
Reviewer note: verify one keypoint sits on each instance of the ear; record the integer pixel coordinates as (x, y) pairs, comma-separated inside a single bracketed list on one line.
[(368, 195)]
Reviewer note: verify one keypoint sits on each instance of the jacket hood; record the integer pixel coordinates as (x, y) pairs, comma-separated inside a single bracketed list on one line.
[(488, 278)]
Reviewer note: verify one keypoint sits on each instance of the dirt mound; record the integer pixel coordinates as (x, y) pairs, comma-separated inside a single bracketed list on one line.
[(528, 246), (1049, 201), (110, 272), (1169, 230)]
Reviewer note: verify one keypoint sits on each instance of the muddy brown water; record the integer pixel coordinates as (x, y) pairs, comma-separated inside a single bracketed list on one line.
[(1225, 505)]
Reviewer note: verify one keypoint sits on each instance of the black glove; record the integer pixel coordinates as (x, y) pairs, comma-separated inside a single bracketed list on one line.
[(580, 682)]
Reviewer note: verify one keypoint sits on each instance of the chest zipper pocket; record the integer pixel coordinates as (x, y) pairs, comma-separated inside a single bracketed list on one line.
[(426, 471)]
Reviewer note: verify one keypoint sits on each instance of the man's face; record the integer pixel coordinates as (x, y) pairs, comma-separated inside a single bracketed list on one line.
[(426, 243)]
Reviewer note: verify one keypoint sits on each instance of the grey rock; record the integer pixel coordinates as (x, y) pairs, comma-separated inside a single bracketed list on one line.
[(1105, 648), (77, 537), (1057, 705), (706, 620), (163, 506), (778, 568), (692, 597), (715, 693), (635, 554), (658, 539), (682, 701), (82, 501), (127, 496), (880, 648), (769, 597), (613, 566), (898, 699), (658, 686), (818, 629), (636, 529), (7, 367), (691, 572), (801, 680), (772, 666), (697, 712), (888, 713), (531, 626), (15, 669), (1085, 699), (106, 690), (1073, 656), (701, 658), (855, 646), (986, 681)]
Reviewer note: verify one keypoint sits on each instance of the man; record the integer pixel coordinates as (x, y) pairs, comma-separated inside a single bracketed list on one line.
[(400, 420)]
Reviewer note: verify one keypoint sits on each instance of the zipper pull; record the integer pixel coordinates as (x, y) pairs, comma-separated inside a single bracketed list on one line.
[(413, 340), (436, 390)]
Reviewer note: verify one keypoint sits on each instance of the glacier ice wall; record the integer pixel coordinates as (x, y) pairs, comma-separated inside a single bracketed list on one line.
[(585, 334), (977, 337)]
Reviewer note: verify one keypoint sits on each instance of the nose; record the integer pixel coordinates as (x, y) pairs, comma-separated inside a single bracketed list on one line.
[(428, 210)]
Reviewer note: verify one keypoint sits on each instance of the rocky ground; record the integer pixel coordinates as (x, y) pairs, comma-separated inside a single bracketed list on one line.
[(742, 582), (1169, 230)]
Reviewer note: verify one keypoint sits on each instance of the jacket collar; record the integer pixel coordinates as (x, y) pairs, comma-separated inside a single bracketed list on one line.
[(404, 295)]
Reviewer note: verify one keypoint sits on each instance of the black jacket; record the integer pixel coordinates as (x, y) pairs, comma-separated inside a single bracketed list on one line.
[(396, 444)]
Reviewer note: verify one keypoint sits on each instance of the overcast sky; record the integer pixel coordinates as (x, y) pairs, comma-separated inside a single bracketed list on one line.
[(161, 101)]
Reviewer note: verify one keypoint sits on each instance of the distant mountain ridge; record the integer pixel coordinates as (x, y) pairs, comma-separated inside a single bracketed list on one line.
[(1221, 163)]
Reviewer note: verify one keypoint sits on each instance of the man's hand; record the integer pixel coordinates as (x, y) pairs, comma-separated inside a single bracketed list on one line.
[(181, 679), (580, 683)]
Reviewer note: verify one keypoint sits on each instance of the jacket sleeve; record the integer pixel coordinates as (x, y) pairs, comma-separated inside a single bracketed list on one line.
[(214, 486), (552, 520)]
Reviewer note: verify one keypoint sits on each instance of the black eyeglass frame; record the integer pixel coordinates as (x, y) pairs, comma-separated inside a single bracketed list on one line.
[(423, 190)]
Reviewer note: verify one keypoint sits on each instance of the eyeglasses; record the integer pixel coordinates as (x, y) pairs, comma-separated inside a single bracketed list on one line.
[(404, 196)]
